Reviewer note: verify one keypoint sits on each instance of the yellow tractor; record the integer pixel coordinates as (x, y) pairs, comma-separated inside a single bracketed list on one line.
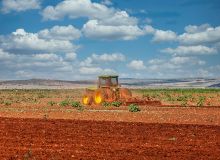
[(109, 90)]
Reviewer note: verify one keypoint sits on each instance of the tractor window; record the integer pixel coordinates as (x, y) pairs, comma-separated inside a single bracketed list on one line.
[(102, 82), (114, 81)]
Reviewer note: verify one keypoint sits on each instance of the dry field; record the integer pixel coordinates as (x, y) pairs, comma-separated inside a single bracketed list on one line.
[(50, 124)]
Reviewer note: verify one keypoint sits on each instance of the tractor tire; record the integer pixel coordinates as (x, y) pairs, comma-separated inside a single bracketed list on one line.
[(99, 96), (103, 95), (125, 93), (87, 99)]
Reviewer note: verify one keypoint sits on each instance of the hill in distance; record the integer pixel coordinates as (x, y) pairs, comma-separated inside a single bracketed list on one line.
[(126, 82)]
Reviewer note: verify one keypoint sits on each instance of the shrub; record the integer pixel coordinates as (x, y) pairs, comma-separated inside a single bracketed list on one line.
[(41, 96), (184, 103), (7, 103), (51, 103), (182, 98), (201, 101), (75, 104), (133, 108), (106, 104), (80, 108), (64, 103), (116, 104)]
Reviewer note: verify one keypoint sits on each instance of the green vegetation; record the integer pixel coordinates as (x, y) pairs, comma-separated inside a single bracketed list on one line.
[(75, 104), (183, 97), (178, 90), (7, 103), (106, 104), (116, 104), (133, 108), (201, 101), (48, 97), (51, 103), (64, 103)]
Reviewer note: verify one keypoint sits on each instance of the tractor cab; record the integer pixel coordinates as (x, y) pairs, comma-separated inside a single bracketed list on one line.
[(107, 81)]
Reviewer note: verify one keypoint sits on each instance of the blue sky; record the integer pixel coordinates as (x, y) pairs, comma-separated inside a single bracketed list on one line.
[(80, 39)]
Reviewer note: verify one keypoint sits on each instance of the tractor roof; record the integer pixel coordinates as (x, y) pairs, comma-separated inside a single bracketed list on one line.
[(108, 76)]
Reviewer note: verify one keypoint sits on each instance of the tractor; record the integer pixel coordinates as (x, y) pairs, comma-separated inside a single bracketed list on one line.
[(109, 90)]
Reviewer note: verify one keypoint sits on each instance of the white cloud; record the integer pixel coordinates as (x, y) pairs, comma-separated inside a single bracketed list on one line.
[(155, 61), (88, 62), (103, 58), (5, 55), (21, 41), (23, 74), (137, 65), (95, 71), (174, 67), (160, 35), (104, 22), (196, 29), (77, 9), (160, 65), (93, 29), (119, 18), (90, 70), (60, 33), (47, 65), (186, 60), (46, 57), (107, 2), (195, 35), (149, 29), (19, 5), (148, 20), (70, 56), (88, 9), (190, 50), (200, 35), (108, 57)]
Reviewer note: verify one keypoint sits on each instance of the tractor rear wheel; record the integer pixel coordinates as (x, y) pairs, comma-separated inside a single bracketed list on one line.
[(100, 96)]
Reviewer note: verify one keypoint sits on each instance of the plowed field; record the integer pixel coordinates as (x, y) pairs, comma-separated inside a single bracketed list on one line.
[(44, 124), (75, 139)]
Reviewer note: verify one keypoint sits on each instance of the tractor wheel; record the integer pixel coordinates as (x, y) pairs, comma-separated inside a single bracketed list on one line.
[(125, 93), (87, 99), (100, 96)]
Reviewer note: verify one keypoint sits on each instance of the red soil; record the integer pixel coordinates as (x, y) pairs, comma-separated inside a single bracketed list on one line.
[(183, 115), (73, 139)]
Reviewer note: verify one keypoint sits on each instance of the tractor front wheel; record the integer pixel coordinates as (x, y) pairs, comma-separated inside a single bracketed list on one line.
[(87, 100)]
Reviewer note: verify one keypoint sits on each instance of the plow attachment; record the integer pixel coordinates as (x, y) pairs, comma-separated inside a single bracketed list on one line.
[(139, 101)]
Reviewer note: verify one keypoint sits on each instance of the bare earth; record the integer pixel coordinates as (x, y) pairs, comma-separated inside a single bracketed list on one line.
[(76, 139)]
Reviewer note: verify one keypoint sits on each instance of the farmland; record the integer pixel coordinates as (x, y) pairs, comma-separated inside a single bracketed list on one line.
[(51, 124)]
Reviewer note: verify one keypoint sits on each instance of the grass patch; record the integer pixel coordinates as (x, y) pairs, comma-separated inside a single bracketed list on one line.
[(133, 108), (51, 103), (201, 101), (64, 103), (116, 104)]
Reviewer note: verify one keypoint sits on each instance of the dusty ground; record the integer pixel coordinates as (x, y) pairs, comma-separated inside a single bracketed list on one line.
[(200, 116), (30, 128)]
